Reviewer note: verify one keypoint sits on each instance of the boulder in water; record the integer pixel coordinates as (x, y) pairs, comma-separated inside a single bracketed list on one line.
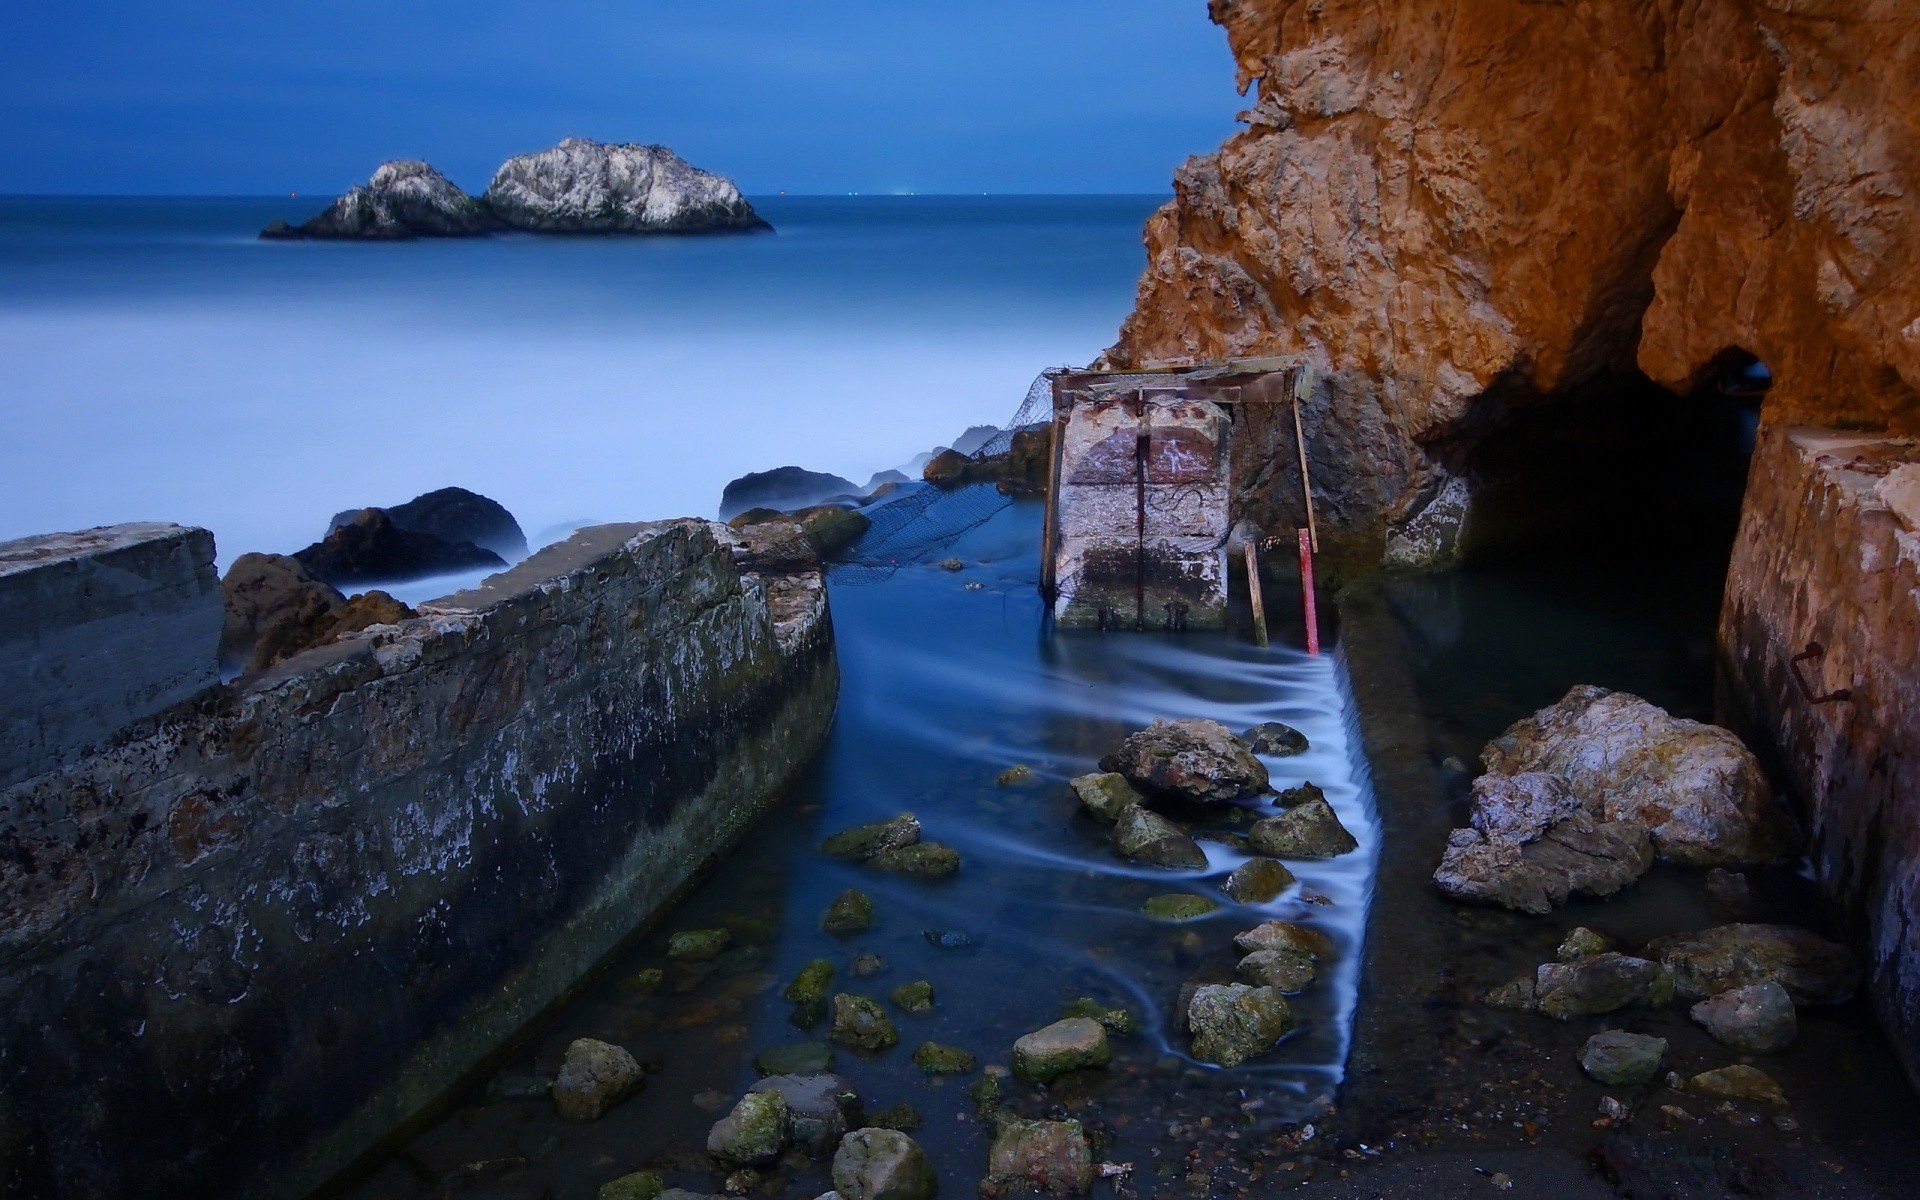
[(935, 1059), (1622, 1059), (1284, 935), (1104, 794), (1258, 880), (783, 489), (819, 1108), (1739, 1082), (1758, 1018), (831, 529), (1233, 1022), (850, 912), (1044, 1156), (584, 186), (1311, 830), (1070, 1044), (1190, 759), (454, 514), (1579, 855), (927, 860), (1288, 971), (862, 842), (754, 1133), (1178, 906), (861, 1023), (1602, 983), (882, 1164), (1145, 836), (914, 998), (594, 1076), (1275, 740), (404, 199), (370, 548), (1020, 470), (1813, 970)]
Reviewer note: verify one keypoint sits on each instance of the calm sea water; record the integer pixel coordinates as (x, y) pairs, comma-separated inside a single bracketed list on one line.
[(157, 362)]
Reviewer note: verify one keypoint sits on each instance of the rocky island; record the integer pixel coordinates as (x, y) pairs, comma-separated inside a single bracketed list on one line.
[(579, 186)]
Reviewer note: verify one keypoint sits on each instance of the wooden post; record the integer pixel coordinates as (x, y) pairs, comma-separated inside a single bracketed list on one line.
[(1253, 592), (1050, 528), (1306, 485)]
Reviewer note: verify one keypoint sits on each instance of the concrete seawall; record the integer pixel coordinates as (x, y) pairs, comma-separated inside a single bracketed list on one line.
[(1829, 554), (246, 938)]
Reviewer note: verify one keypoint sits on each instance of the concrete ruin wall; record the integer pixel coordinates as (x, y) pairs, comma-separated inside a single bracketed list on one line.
[(1829, 552), (289, 913), (97, 629), (1129, 553)]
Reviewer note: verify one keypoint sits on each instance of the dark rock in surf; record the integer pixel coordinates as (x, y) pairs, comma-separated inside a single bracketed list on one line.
[(1147, 837), (584, 186), (1020, 471), (1191, 759), (454, 514), (1311, 830), (371, 548), (1275, 740), (783, 489), (1813, 970), (862, 842), (404, 199), (1600, 983), (820, 1108), (831, 529)]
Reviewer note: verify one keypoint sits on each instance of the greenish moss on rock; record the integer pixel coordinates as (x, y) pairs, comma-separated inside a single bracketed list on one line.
[(821, 1107), (864, 841), (1310, 830), (1289, 971), (812, 984), (697, 945), (642, 983), (1066, 1045), (851, 912), (1047, 1156), (1275, 740), (1178, 906), (754, 1133), (1739, 1082), (1582, 942), (800, 1058), (986, 1091), (915, 998), (1622, 1059), (641, 1185), (1014, 776), (861, 1023), (927, 860), (882, 1164), (935, 1059), (1258, 880), (1232, 1022), (1120, 1021), (594, 1076), (1144, 836), (1105, 794), (903, 1117)]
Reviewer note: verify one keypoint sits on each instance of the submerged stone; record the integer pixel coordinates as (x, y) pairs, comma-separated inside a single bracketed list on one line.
[(882, 1164), (1178, 906), (1192, 758), (850, 912), (1114, 1020), (753, 1133), (1301, 793), (1515, 995), (1284, 935), (1275, 740), (820, 1108), (698, 944), (985, 1091), (1258, 880), (947, 939), (812, 984), (1622, 1059), (1739, 1082), (1311, 830), (1145, 836), (928, 860), (594, 1076), (864, 841), (1233, 1022), (861, 1023), (1046, 1156), (1014, 776), (1105, 794), (1601, 983), (1758, 1018), (935, 1059), (1289, 971), (641, 1185), (903, 1117), (915, 997), (1582, 942), (1813, 970), (800, 1058), (1066, 1045)]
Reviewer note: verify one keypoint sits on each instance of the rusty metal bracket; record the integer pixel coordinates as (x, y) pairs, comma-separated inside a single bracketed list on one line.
[(1814, 650)]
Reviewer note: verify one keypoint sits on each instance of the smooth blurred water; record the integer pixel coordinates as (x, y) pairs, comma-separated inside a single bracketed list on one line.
[(157, 362)]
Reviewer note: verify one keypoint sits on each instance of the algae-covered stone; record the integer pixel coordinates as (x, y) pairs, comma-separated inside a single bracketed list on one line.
[(1193, 758), (1046, 1156), (812, 984), (1257, 881), (1739, 1082), (882, 1164), (928, 860), (864, 841), (1582, 942), (864, 965), (1311, 830), (821, 1107), (1233, 1022), (903, 1117), (697, 945), (1275, 740), (935, 1059), (1147, 837), (1288, 970), (915, 997), (1758, 1018), (1178, 906), (1105, 794), (641, 1185), (985, 1092), (800, 1058), (1813, 970), (850, 912), (642, 983), (1601, 983), (753, 1133), (1116, 1020), (1622, 1059), (1298, 794), (1014, 776), (1066, 1045), (1284, 935), (861, 1023), (1516, 995), (594, 1076)]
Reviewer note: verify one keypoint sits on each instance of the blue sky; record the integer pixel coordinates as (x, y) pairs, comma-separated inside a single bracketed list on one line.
[(219, 96)]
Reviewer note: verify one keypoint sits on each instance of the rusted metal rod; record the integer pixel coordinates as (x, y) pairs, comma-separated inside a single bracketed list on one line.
[(1253, 593), (1306, 591), (1306, 483), (1814, 650)]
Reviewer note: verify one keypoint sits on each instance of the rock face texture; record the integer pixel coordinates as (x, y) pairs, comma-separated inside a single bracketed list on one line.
[(583, 186), (1470, 212), (404, 199), (292, 911)]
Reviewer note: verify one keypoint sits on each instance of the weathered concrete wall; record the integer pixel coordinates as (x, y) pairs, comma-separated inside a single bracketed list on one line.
[(1829, 552), (97, 629), (248, 938)]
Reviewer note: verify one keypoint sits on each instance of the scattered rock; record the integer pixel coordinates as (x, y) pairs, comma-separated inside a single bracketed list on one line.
[(1695, 788), (1311, 830), (1298, 794), (1019, 470), (1275, 740), (1065, 1045), (915, 998), (951, 564), (1602, 983), (864, 841), (935, 1059), (1729, 893), (1233, 1022), (1192, 758), (1614, 1110), (404, 199), (850, 912), (1739, 1082), (1257, 881), (454, 514), (1014, 776), (1582, 942), (1142, 835), (584, 186), (866, 964), (947, 939), (1758, 1018), (861, 1023), (985, 1091), (754, 1132), (882, 1164), (800, 1058), (781, 490), (1045, 1156), (927, 860), (519, 1087), (641, 1185), (594, 1076), (1115, 1020), (1621, 1059), (1524, 806), (1577, 855), (1105, 794), (813, 982), (1290, 971), (1515, 995), (275, 608), (832, 529), (903, 1117), (819, 1107), (1813, 970), (1178, 906), (1284, 935), (370, 548), (698, 944)]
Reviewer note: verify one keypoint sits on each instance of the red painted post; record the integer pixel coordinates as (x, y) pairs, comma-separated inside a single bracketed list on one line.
[(1306, 591)]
